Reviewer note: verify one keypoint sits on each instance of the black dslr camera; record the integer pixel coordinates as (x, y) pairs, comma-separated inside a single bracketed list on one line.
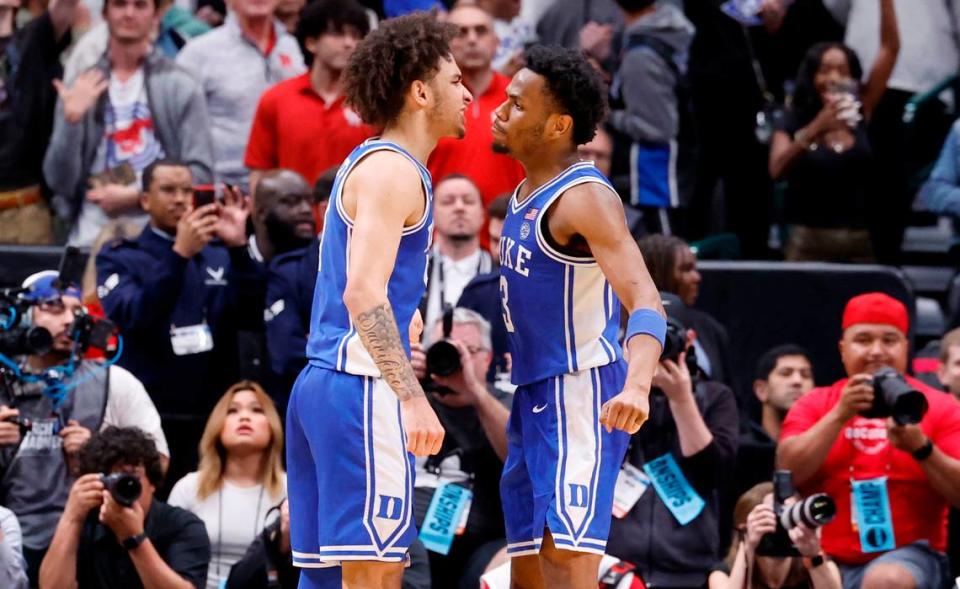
[(894, 397), (443, 358), (813, 511), (675, 343), (125, 488)]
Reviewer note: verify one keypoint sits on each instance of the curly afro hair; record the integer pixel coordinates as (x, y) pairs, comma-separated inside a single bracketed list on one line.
[(573, 84), (389, 59), (121, 446)]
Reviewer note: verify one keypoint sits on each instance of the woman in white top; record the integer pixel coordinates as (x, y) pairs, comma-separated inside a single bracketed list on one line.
[(240, 477)]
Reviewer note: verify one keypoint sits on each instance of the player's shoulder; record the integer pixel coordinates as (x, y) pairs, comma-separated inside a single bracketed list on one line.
[(385, 167)]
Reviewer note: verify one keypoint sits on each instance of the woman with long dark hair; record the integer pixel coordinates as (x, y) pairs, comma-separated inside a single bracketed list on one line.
[(754, 518), (822, 151)]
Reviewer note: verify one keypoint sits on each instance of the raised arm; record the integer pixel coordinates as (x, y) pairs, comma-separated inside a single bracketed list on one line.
[(886, 59), (595, 213), (386, 194)]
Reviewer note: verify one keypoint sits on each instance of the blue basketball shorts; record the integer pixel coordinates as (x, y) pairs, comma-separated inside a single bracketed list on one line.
[(562, 465), (350, 477)]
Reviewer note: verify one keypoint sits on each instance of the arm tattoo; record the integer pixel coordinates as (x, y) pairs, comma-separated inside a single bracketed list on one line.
[(380, 336)]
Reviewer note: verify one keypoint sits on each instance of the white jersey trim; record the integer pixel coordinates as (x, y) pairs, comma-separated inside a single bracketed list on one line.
[(338, 197)]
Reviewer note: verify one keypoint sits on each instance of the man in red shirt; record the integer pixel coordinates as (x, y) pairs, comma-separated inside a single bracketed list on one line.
[(902, 477), (302, 124), (473, 156)]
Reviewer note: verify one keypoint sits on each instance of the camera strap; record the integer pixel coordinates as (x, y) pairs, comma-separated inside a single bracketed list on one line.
[(870, 503)]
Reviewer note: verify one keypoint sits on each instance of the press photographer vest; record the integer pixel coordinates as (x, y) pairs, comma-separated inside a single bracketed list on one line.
[(35, 479)]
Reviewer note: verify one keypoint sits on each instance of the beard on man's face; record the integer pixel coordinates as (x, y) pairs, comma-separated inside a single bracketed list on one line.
[(500, 148), (283, 236)]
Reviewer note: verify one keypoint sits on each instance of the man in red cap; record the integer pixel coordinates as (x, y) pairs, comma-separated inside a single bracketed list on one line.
[(892, 483)]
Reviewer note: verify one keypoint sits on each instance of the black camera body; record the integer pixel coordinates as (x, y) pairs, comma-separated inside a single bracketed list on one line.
[(675, 343), (813, 511), (125, 488), (894, 397), (443, 358), (25, 424)]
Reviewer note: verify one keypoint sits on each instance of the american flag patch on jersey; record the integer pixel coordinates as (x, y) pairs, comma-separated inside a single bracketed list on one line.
[(531, 214)]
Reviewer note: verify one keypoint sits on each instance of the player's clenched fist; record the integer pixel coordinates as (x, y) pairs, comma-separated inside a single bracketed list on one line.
[(626, 412), (424, 432)]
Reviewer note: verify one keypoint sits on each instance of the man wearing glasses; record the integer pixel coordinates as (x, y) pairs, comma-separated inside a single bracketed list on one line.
[(49, 412)]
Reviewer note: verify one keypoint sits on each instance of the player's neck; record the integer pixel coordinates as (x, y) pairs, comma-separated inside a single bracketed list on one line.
[(414, 135), (457, 249), (542, 169)]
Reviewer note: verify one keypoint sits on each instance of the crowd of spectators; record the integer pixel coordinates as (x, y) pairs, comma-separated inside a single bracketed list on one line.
[(192, 147)]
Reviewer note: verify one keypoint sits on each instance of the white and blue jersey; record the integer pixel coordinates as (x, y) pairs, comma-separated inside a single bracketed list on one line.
[(334, 342), (350, 478), (559, 310), (562, 319)]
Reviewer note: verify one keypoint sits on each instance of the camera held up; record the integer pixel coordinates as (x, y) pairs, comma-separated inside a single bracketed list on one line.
[(443, 358), (813, 511), (125, 488), (894, 397)]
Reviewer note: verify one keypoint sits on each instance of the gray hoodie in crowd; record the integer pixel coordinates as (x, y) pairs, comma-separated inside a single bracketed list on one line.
[(645, 82), (180, 121)]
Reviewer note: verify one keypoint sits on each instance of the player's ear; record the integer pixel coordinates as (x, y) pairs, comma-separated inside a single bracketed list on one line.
[(560, 125), (420, 93)]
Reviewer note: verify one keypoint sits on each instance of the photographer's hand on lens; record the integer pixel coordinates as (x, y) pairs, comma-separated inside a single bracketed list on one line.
[(74, 436), (908, 438), (673, 378), (9, 432), (760, 522), (85, 494), (807, 540), (466, 385), (195, 230), (856, 396), (124, 521)]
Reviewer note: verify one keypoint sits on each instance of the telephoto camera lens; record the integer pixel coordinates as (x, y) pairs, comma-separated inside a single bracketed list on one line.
[(814, 511), (894, 397), (124, 487), (443, 358)]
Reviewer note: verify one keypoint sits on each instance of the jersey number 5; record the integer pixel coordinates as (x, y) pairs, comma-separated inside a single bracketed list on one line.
[(504, 300)]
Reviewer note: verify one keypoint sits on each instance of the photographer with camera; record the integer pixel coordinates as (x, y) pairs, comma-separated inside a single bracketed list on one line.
[(755, 518), (52, 404), (466, 472), (666, 502), (114, 533), (885, 447)]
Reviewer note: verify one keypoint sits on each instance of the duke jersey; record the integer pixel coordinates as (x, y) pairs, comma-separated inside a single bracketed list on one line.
[(560, 312), (333, 342)]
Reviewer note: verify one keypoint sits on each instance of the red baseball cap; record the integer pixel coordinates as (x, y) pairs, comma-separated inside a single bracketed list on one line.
[(876, 307)]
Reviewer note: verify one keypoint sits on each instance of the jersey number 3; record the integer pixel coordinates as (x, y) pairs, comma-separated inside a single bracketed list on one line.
[(504, 300)]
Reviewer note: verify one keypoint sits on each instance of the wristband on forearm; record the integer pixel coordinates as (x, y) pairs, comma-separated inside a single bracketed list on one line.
[(646, 321), (923, 452)]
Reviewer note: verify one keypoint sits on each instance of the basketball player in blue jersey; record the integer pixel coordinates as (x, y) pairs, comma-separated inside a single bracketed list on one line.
[(567, 260), (357, 414)]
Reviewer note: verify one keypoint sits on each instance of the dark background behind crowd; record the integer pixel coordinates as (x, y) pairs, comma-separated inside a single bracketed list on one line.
[(777, 160)]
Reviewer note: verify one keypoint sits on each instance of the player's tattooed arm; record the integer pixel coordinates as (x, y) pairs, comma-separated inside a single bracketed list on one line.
[(381, 337)]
